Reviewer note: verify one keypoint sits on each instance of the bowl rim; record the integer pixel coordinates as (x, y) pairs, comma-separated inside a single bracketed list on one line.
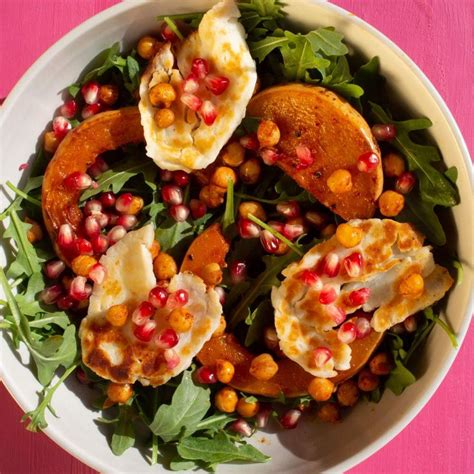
[(94, 462)]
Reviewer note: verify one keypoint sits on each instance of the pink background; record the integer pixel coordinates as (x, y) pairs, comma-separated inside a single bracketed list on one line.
[(438, 35)]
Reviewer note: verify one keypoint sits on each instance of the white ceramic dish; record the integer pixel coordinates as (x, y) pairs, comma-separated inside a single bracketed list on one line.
[(313, 447)]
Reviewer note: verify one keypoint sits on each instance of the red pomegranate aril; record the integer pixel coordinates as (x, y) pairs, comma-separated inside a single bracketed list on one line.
[(69, 109), (198, 208), (359, 297), (50, 294), (410, 324), (206, 375), (269, 242), (23, 166), (82, 376), (116, 233), (97, 273), (250, 142), (262, 417), (289, 420), (172, 194), (248, 229), (241, 427), (405, 182), (347, 333), (311, 278), (90, 92), (305, 157), (143, 313), (158, 296), (191, 84), (54, 268), (293, 231), (61, 126), (65, 236), (123, 202), (269, 156), (180, 178), (237, 271), (278, 226), (90, 110), (145, 332), (191, 101), (103, 219), (208, 112), (77, 181), (337, 314), (217, 85), (127, 220), (93, 206), (362, 327), (108, 199), (368, 162), (330, 265), (168, 34), (179, 212), (111, 219), (172, 359), (322, 355), (384, 131), (328, 295), (92, 226), (79, 289), (177, 299), (200, 68), (353, 264), (100, 244), (221, 293), (167, 339), (82, 246), (166, 175), (316, 218), (98, 167), (65, 302), (289, 209)]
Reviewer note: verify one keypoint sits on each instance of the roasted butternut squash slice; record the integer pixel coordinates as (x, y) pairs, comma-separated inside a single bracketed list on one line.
[(335, 133)]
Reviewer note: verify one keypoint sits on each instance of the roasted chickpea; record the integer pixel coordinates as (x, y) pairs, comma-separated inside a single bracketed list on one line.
[(393, 165), (119, 392), (181, 320), (250, 171), (412, 286), (270, 338), (321, 389), (347, 393), (367, 381), (328, 231), (222, 175), (233, 155), (164, 266), (268, 133), (117, 315), (35, 232), (162, 94), (254, 208), (212, 196), (226, 400), (50, 142), (211, 274), (225, 370), (340, 181), (263, 367), (329, 412), (391, 203), (221, 328), (247, 409), (381, 364), (164, 118), (155, 249), (147, 46), (108, 94), (82, 264), (349, 236)]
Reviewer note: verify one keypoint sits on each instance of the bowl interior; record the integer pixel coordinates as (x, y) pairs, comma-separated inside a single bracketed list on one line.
[(30, 106)]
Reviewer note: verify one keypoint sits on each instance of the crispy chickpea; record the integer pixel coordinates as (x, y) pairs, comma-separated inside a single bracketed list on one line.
[(164, 266), (247, 409), (321, 389), (412, 286), (35, 232), (270, 338), (50, 142), (82, 264), (340, 181), (117, 315), (147, 46), (181, 320), (225, 370), (108, 94), (222, 175), (328, 231), (367, 381), (391, 203), (347, 393), (203, 177), (329, 413), (349, 236), (164, 118), (250, 171), (381, 364), (254, 208), (211, 274), (263, 367), (268, 133), (136, 205), (233, 155), (155, 249), (212, 196), (162, 94), (119, 392), (226, 400), (221, 328), (393, 165)]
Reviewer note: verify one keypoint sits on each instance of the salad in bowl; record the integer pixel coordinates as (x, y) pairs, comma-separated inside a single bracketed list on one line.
[(225, 226)]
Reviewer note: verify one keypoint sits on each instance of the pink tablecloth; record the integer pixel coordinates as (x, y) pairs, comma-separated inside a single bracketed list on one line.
[(438, 35)]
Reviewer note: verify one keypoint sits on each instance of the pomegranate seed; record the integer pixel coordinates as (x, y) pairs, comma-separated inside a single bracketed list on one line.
[(208, 112), (410, 324), (328, 295), (54, 268), (362, 327), (206, 375), (248, 229), (122, 204), (405, 182), (172, 194), (65, 236), (198, 208), (278, 226), (289, 420), (111, 218), (191, 101), (237, 271), (82, 246), (216, 84), (103, 219), (200, 68), (305, 157), (359, 297), (79, 289), (116, 233), (143, 313), (145, 332), (398, 328), (65, 302), (289, 209), (127, 221), (353, 264), (337, 314), (269, 156), (347, 333), (90, 92), (269, 242), (191, 84), (177, 299), (384, 131), (98, 167), (179, 212), (82, 376), (168, 34), (330, 265), (293, 231), (158, 296), (23, 167), (50, 294), (322, 355), (93, 206), (368, 162), (172, 359), (167, 339), (77, 181), (69, 109), (221, 293), (91, 226), (241, 427), (90, 110), (316, 218), (100, 243), (311, 278), (262, 417), (108, 199), (97, 273), (61, 126), (250, 142), (180, 178), (166, 175)]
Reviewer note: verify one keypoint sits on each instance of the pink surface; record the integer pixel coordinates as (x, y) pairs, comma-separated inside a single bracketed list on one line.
[(438, 35)]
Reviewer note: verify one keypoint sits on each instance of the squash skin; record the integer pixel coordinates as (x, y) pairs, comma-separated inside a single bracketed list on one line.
[(335, 133)]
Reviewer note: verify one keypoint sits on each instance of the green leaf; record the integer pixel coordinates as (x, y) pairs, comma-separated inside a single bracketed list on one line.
[(429, 314), (179, 464), (123, 436), (181, 418), (174, 236), (261, 49), (328, 41), (257, 320), (452, 174), (459, 271), (74, 89), (214, 423), (229, 213), (368, 78), (400, 378)]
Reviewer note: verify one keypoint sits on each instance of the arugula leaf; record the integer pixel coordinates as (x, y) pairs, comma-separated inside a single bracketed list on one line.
[(259, 17), (229, 213), (429, 314), (262, 48), (459, 271), (328, 41), (400, 377), (368, 78), (260, 317), (174, 236), (181, 418), (123, 436)]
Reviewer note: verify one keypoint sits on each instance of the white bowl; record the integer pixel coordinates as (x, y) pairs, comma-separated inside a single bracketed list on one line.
[(313, 447)]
